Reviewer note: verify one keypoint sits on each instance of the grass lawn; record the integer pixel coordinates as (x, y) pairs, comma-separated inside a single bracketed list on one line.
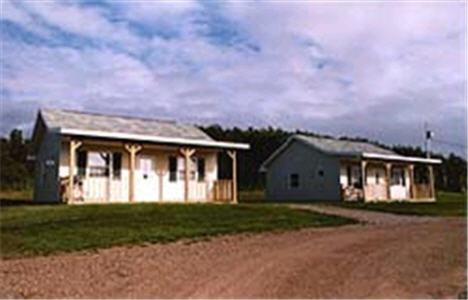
[(447, 204), (45, 229), (25, 195), (251, 196)]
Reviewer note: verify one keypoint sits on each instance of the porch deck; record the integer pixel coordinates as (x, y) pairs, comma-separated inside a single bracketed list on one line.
[(118, 172), (375, 180)]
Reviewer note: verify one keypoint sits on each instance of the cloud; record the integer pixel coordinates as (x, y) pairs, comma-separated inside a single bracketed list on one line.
[(371, 69)]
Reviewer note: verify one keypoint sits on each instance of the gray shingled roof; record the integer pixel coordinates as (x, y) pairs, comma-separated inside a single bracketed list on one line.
[(342, 147), (69, 119)]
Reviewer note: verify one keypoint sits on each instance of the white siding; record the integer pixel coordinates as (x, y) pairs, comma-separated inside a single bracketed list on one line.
[(168, 192)]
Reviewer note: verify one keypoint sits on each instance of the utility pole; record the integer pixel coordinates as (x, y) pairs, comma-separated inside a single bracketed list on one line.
[(428, 136)]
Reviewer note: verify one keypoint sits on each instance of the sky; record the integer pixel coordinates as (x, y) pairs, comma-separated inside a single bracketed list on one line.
[(377, 70)]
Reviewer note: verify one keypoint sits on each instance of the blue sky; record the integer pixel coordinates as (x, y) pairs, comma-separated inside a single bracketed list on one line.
[(371, 69)]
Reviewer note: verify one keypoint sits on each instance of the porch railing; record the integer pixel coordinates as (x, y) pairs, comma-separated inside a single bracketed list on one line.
[(351, 193), (222, 190), (376, 191), (422, 191), (198, 190)]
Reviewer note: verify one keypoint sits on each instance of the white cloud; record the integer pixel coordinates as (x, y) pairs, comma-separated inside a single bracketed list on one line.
[(81, 20), (367, 68)]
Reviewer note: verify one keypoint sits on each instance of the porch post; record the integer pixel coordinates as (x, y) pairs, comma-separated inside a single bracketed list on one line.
[(187, 153), (388, 168), (161, 174), (71, 168), (431, 181), (233, 155), (411, 181), (110, 176), (132, 150), (364, 178)]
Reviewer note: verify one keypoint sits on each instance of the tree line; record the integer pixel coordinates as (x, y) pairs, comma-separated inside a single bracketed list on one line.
[(449, 176), (16, 172)]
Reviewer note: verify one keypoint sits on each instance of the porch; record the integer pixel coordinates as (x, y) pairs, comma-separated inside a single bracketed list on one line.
[(371, 180), (102, 171)]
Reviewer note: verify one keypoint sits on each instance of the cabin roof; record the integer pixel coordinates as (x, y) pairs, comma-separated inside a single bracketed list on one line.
[(69, 119), (70, 122), (343, 147), (346, 148)]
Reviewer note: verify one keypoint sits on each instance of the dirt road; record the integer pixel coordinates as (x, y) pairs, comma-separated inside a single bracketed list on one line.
[(404, 260)]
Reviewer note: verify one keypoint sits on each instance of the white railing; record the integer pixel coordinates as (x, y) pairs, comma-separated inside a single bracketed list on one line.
[(198, 190)]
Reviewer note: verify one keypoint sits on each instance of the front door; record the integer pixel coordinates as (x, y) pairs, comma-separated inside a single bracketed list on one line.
[(398, 188), (146, 183)]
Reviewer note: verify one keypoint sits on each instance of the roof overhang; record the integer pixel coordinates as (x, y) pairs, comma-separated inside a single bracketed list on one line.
[(401, 158), (153, 139), (278, 151)]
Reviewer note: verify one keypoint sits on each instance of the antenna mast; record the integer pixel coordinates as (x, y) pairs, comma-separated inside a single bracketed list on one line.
[(428, 136)]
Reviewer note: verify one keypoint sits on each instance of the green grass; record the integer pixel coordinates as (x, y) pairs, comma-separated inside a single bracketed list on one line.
[(447, 204), (16, 195), (46, 229), (251, 196)]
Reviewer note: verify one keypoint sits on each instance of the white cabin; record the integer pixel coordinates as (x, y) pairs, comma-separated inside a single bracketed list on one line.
[(95, 158)]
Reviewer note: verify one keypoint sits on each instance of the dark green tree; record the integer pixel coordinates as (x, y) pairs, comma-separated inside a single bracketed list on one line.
[(15, 172)]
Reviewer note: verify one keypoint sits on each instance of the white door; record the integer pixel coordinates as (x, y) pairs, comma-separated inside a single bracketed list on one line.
[(399, 181), (146, 181)]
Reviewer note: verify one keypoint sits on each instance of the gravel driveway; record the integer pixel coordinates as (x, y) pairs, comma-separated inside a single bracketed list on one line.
[(425, 258), (365, 216)]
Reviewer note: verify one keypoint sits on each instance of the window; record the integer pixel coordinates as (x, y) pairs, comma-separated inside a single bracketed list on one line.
[(201, 169), (177, 168), (356, 177), (172, 168), (98, 164), (321, 173), (398, 177), (82, 158), (348, 174), (294, 180), (116, 164), (192, 168)]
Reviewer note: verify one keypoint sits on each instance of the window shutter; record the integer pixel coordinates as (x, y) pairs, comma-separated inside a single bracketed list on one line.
[(116, 164), (172, 168), (82, 159), (201, 169)]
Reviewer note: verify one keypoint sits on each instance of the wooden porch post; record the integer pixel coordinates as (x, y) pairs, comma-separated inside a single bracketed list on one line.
[(132, 150), (161, 174), (110, 176), (431, 181), (71, 167), (388, 168), (233, 155), (364, 178), (187, 153), (411, 182)]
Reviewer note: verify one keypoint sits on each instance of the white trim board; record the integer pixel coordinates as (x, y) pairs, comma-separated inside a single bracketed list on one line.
[(157, 139), (402, 158)]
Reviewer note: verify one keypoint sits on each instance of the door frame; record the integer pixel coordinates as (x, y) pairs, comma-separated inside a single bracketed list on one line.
[(154, 188)]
